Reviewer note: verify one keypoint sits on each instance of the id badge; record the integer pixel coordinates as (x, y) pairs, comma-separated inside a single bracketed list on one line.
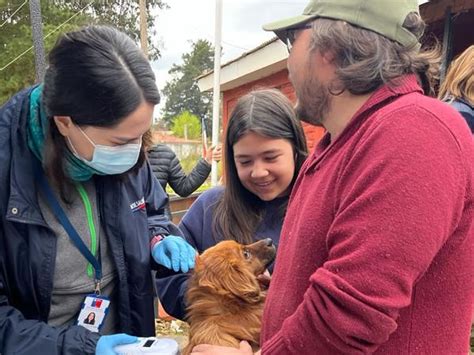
[(93, 312)]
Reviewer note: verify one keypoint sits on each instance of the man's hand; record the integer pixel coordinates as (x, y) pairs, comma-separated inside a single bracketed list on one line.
[(205, 349)]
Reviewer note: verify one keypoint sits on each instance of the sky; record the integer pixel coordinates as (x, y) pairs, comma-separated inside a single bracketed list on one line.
[(190, 20)]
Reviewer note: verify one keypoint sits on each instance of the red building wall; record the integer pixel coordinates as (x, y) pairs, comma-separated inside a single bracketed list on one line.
[(279, 81)]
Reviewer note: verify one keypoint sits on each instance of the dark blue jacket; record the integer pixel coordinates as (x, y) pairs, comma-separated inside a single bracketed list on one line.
[(466, 110), (197, 228), (28, 247)]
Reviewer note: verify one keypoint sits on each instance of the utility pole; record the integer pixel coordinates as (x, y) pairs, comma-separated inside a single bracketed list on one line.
[(217, 89), (143, 27), (37, 32)]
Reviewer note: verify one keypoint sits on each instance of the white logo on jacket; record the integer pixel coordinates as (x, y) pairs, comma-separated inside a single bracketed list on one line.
[(138, 205)]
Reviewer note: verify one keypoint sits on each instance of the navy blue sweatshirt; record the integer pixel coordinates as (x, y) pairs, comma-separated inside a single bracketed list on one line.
[(196, 226)]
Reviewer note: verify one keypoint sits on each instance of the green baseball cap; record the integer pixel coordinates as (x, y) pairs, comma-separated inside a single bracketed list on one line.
[(384, 17)]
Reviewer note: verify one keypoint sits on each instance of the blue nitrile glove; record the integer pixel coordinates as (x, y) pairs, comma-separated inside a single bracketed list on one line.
[(174, 252), (107, 343)]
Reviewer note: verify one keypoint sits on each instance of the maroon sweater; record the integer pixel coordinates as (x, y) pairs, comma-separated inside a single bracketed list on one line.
[(376, 251)]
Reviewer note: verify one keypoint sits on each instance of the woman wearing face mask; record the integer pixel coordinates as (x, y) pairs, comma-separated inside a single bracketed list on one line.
[(264, 149), (81, 214)]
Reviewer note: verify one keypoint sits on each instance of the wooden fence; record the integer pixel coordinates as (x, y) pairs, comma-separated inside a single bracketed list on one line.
[(179, 205)]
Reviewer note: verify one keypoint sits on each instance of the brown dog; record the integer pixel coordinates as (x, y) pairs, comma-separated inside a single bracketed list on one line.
[(224, 297)]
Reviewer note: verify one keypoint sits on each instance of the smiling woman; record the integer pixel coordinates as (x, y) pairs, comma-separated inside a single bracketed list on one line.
[(265, 166), (264, 149)]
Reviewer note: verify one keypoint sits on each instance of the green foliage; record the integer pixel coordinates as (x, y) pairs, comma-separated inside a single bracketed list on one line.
[(59, 16), (205, 186), (186, 125), (189, 162), (182, 93)]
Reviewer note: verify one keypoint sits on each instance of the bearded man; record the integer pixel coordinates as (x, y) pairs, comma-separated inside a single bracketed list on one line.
[(376, 251)]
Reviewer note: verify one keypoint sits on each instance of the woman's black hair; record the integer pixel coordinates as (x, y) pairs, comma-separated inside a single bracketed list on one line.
[(97, 76)]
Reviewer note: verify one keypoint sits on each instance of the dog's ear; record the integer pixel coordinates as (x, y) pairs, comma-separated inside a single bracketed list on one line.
[(209, 272), (226, 277), (243, 284)]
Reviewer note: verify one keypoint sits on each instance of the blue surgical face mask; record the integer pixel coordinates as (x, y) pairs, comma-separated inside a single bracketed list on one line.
[(111, 160)]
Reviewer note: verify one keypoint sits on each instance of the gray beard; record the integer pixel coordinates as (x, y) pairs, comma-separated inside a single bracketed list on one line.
[(313, 102), (304, 115)]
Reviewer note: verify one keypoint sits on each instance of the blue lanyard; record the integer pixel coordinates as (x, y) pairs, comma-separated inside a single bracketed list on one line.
[(68, 227)]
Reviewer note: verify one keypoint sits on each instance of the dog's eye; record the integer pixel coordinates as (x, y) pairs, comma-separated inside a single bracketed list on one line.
[(247, 254)]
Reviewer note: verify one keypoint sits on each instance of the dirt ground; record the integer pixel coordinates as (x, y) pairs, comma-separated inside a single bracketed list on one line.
[(174, 329)]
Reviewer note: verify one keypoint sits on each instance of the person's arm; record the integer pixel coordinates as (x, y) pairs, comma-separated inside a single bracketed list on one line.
[(172, 251), (171, 287), (156, 200), (19, 335), (159, 170), (183, 184), (26, 336), (394, 214)]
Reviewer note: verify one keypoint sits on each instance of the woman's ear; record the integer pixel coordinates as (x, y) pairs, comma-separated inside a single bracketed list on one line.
[(64, 124)]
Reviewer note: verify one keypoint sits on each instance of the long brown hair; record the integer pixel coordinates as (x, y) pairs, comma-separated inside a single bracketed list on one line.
[(366, 60), (269, 113), (459, 81)]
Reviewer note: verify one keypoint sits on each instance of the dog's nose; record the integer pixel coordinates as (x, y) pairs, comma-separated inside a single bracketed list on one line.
[(268, 242)]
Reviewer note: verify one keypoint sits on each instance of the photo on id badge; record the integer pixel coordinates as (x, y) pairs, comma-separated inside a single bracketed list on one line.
[(93, 312)]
